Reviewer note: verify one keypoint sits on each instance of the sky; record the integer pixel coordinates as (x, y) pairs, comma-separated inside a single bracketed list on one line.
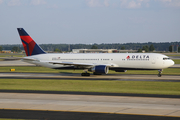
[(90, 21)]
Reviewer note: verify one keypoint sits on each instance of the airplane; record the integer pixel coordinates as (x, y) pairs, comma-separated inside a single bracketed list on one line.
[(98, 63)]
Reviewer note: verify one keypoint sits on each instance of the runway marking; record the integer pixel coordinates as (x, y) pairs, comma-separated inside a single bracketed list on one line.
[(90, 112), (173, 112), (123, 109)]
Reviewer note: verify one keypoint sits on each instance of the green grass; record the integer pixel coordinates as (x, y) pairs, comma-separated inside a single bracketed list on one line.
[(174, 54), (140, 87), (12, 54), (168, 71), (177, 61), (33, 69)]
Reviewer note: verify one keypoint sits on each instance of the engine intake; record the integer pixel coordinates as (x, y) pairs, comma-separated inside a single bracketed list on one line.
[(100, 69)]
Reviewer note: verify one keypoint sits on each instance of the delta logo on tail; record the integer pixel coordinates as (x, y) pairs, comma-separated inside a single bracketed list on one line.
[(30, 47)]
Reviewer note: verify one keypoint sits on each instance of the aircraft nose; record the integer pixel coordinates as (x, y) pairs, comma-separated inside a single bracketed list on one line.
[(172, 63)]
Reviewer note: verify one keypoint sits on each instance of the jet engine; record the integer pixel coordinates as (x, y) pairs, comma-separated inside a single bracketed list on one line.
[(100, 69)]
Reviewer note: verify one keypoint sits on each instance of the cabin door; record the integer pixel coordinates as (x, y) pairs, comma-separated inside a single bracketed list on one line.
[(153, 61)]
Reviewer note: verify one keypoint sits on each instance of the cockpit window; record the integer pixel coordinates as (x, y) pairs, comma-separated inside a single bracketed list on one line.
[(166, 58)]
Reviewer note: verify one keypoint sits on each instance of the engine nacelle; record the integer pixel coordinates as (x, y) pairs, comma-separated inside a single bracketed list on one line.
[(100, 69)]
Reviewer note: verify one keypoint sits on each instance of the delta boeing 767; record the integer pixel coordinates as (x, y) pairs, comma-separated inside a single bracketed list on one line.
[(98, 63)]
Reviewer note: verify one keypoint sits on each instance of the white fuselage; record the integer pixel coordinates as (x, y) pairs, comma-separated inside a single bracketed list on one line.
[(116, 60)]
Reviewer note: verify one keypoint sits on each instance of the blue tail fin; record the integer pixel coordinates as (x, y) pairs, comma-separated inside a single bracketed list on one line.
[(30, 46)]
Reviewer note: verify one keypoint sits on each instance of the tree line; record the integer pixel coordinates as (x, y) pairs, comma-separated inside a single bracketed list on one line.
[(148, 47)]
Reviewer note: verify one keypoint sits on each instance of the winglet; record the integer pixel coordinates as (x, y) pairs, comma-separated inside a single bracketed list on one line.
[(30, 46)]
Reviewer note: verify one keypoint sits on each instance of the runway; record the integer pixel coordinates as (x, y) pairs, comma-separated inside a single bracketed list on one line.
[(63, 115), (77, 76), (46, 104), (57, 105), (169, 107)]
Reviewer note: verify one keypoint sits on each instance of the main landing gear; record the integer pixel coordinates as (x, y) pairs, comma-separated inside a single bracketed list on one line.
[(88, 74), (94, 73), (160, 71), (85, 73)]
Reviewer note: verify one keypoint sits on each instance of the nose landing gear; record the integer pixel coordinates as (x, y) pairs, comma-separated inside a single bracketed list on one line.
[(160, 71)]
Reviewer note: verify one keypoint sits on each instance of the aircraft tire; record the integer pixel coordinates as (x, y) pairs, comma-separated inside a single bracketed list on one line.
[(85, 74), (94, 73), (159, 75)]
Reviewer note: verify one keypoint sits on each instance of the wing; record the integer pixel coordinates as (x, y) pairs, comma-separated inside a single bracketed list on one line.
[(80, 65), (77, 64)]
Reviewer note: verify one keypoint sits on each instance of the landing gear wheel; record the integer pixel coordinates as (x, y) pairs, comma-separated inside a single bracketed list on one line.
[(85, 74), (159, 75), (160, 71), (94, 73)]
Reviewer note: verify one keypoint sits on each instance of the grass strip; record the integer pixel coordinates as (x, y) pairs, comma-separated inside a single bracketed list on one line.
[(138, 87), (177, 61), (12, 55), (176, 54), (33, 69)]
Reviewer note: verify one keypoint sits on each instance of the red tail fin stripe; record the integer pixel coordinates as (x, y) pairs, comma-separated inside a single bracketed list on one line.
[(31, 47), (25, 48), (27, 39), (30, 43)]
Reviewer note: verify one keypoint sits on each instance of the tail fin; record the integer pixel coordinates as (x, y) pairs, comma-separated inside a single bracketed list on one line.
[(30, 46)]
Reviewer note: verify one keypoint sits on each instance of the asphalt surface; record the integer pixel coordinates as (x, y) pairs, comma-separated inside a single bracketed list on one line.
[(64, 115), (90, 93), (77, 76), (18, 105)]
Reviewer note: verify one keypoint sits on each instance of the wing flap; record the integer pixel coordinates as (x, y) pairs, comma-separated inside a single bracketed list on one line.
[(71, 63)]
